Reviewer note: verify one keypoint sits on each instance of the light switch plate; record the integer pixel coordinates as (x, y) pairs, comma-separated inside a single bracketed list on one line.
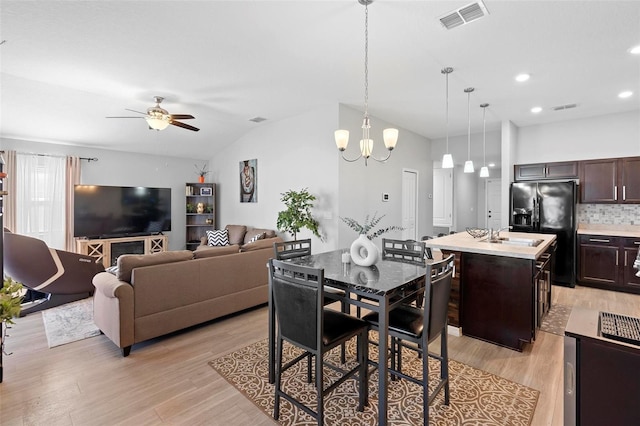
[(385, 196)]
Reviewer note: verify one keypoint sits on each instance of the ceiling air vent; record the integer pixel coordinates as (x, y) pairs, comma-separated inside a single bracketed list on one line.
[(464, 15), (561, 107), (257, 119)]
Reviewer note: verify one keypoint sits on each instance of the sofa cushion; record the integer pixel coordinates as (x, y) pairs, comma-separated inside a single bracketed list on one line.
[(269, 233), (259, 245), (128, 262), (257, 237), (218, 237), (206, 251), (236, 233)]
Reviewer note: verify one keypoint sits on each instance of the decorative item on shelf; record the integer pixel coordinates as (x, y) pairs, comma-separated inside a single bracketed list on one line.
[(468, 165), (202, 172), (3, 175), (208, 209), (200, 208), (189, 190), (10, 304), (484, 170), (206, 191), (363, 250), (389, 136), (190, 208), (477, 232), (298, 213), (208, 221), (447, 159)]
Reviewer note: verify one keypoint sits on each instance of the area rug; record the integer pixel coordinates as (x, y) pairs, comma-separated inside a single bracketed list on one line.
[(477, 397), (556, 319), (69, 322)]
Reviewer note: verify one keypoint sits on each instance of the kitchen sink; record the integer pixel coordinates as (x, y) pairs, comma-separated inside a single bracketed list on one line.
[(526, 242)]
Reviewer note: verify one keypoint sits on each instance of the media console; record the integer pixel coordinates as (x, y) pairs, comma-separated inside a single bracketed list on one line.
[(107, 250)]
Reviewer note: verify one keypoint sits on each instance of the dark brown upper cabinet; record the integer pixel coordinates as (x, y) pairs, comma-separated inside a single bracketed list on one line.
[(610, 181), (540, 171)]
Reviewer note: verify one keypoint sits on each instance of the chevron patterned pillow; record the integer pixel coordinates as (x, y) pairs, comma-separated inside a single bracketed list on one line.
[(218, 237)]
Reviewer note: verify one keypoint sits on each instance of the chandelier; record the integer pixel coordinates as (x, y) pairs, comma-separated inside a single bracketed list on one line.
[(389, 136)]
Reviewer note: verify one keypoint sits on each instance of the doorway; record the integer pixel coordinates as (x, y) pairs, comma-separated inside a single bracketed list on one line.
[(409, 204)]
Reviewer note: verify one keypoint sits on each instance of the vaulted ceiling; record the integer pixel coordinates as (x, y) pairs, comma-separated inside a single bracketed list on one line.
[(65, 66)]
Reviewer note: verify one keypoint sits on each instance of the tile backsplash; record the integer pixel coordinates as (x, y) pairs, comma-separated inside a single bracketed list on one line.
[(609, 214)]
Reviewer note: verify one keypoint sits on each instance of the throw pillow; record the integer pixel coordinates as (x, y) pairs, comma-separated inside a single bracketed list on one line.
[(218, 237), (257, 237)]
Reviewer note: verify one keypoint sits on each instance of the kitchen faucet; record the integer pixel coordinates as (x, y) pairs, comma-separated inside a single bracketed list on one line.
[(494, 235)]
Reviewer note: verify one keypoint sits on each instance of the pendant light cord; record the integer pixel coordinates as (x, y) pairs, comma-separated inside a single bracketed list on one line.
[(366, 59)]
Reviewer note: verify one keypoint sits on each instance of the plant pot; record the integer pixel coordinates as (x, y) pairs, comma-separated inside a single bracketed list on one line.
[(364, 252), (201, 179)]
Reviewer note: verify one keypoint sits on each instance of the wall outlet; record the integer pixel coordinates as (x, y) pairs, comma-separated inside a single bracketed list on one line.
[(385, 196)]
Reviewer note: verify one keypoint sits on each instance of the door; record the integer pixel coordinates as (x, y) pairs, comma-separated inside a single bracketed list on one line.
[(523, 206), (409, 204), (493, 196), (443, 197)]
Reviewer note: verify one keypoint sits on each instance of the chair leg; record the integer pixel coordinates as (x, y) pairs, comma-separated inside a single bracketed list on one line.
[(363, 359), (276, 405), (425, 382), (444, 364), (343, 348), (309, 369), (319, 388)]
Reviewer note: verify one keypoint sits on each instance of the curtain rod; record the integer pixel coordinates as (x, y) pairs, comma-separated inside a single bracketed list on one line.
[(88, 159)]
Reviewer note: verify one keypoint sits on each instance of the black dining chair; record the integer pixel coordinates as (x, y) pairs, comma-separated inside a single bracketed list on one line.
[(414, 328), (298, 295)]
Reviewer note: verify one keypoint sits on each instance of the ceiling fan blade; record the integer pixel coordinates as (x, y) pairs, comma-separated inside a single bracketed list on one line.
[(133, 110), (184, 126), (181, 116)]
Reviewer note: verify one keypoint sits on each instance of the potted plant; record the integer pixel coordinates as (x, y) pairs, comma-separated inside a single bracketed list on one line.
[(10, 303), (363, 251), (202, 172), (298, 213)]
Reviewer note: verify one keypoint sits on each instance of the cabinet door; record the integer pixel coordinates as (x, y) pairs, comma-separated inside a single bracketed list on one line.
[(442, 197), (630, 250), (630, 180), (599, 258), (598, 181), (564, 170), (529, 171)]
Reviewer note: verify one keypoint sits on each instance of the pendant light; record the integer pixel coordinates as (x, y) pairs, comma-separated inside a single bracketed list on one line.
[(468, 165), (484, 170), (389, 136), (447, 159)]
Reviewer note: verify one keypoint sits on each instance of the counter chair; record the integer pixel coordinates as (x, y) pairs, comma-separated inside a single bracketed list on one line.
[(414, 328), (59, 276), (298, 295)]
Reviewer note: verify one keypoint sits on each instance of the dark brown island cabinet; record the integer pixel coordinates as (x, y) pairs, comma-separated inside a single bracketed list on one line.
[(607, 262)]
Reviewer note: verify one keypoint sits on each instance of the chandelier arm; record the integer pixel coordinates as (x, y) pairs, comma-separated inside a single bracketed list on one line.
[(348, 160), (381, 160)]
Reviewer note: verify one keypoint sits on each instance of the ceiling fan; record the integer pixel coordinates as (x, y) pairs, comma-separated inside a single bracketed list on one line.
[(159, 118)]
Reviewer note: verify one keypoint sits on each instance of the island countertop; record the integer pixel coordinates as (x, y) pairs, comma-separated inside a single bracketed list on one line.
[(464, 242)]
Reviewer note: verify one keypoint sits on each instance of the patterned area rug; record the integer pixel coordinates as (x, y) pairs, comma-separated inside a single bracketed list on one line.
[(556, 319), (477, 397), (69, 322)]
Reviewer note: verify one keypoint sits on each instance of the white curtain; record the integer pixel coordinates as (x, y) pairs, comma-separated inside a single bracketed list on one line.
[(40, 198), (72, 178), (9, 205)]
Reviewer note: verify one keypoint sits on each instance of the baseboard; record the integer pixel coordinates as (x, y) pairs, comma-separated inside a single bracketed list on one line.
[(454, 331)]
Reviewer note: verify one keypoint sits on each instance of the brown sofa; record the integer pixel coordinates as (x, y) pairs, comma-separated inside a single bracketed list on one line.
[(155, 294)]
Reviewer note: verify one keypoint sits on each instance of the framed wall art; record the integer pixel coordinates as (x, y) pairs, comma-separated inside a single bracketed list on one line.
[(249, 181)]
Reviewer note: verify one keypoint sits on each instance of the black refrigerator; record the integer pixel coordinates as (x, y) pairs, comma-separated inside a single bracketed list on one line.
[(549, 208)]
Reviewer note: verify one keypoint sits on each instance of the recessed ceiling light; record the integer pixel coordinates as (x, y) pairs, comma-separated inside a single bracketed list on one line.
[(536, 110), (522, 77), (635, 50), (625, 94)]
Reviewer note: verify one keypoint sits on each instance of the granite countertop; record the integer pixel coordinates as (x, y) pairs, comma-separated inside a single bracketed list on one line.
[(632, 231), (464, 242), (585, 322)]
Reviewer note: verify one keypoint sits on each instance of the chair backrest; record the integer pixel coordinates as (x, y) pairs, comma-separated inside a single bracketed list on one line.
[(290, 249), (427, 250), (403, 250), (298, 296), (438, 290)]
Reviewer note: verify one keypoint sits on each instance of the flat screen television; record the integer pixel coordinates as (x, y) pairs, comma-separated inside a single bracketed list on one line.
[(118, 211)]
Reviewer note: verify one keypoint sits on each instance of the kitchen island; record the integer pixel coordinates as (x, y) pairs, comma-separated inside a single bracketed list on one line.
[(501, 289)]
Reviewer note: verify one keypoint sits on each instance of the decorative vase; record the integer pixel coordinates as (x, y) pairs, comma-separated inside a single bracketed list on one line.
[(364, 252), (201, 179)]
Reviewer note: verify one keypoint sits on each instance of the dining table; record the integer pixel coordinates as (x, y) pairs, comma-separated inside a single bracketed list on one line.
[(379, 288)]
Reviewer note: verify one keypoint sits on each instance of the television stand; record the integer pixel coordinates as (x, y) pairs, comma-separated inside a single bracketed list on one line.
[(104, 249)]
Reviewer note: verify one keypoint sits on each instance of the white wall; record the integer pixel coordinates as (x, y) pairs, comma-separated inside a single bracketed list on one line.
[(361, 187), (127, 169), (295, 153), (607, 136)]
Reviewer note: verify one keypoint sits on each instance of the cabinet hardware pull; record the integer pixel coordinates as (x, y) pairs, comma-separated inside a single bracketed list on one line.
[(624, 192), (625, 258), (615, 192), (636, 243), (598, 240), (616, 257)]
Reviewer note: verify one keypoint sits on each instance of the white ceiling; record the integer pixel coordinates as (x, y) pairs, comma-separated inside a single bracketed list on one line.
[(65, 66)]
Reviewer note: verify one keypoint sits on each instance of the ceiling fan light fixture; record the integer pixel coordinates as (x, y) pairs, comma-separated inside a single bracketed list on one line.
[(157, 122)]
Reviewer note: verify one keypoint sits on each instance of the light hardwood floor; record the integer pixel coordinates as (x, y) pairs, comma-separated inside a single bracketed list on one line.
[(167, 380)]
